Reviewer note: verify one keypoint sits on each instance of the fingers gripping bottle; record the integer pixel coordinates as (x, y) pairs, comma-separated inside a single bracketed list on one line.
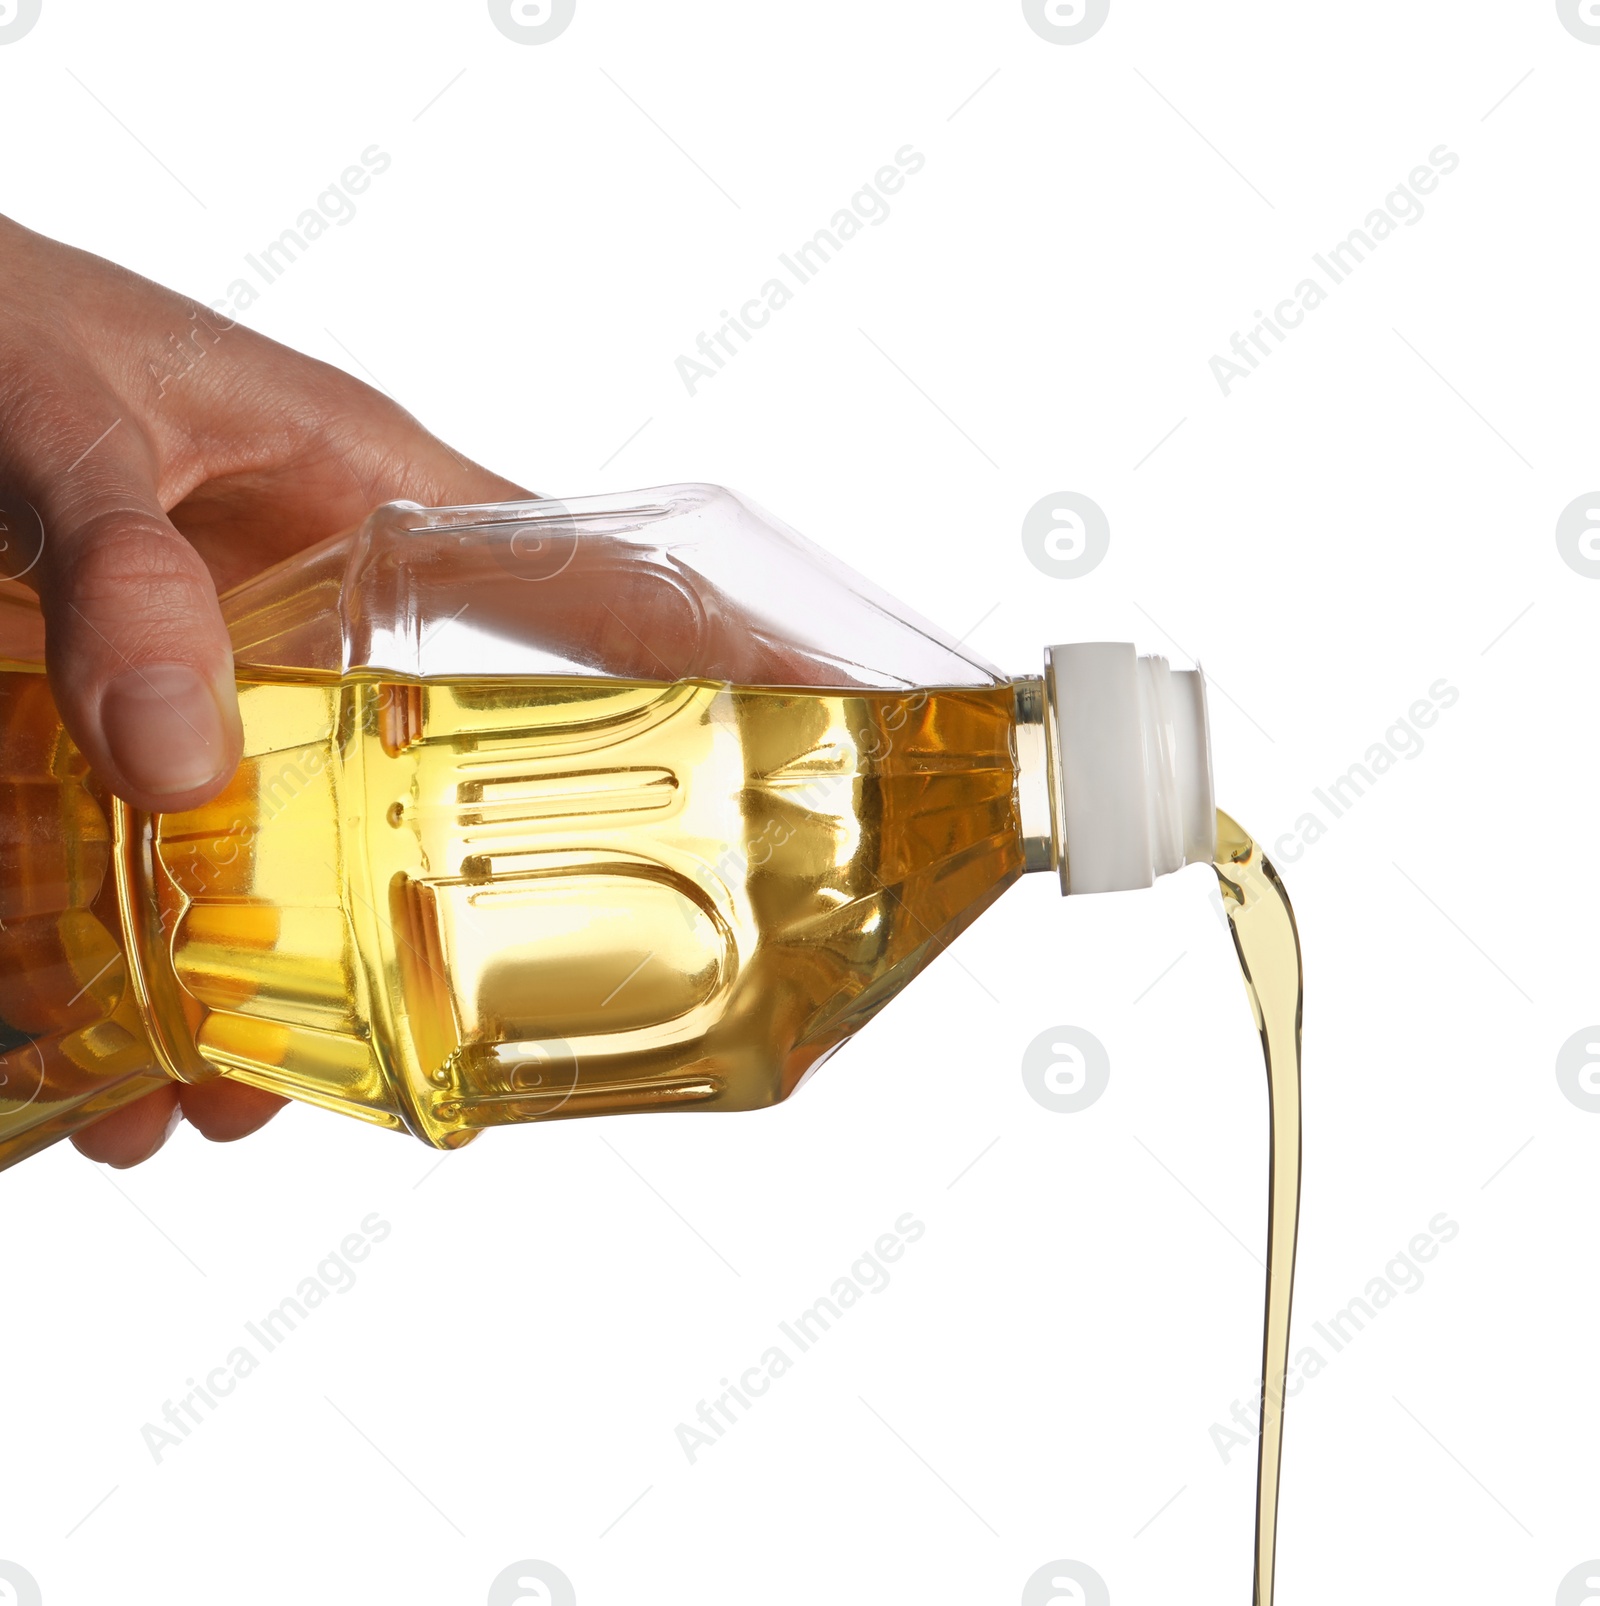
[(638, 802)]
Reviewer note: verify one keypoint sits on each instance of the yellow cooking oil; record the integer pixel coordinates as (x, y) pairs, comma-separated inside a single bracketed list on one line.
[(72, 1040), (1268, 945), (451, 905)]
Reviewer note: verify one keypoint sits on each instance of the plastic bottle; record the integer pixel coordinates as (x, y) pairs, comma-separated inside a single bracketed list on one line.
[(637, 802)]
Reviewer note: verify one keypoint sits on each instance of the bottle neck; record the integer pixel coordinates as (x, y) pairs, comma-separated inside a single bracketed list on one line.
[(1113, 767), (1038, 775)]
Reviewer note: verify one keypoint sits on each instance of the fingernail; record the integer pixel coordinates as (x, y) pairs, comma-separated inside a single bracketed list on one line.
[(164, 728)]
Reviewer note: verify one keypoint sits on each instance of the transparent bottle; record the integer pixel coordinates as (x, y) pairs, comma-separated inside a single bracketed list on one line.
[(636, 802)]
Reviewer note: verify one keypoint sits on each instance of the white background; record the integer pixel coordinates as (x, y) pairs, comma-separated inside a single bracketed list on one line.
[(1373, 510)]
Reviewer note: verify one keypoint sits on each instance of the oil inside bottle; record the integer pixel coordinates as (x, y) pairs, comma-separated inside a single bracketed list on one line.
[(1262, 922), (72, 1042), (450, 905)]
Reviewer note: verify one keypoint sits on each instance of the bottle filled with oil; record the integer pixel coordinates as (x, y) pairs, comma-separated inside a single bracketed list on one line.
[(553, 809)]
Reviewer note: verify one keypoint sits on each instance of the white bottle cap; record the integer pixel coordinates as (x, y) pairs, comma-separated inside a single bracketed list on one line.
[(1133, 757)]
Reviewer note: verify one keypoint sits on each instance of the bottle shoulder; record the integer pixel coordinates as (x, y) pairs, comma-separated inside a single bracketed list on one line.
[(680, 582)]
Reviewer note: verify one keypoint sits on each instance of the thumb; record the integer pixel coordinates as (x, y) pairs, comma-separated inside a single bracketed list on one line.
[(139, 660)]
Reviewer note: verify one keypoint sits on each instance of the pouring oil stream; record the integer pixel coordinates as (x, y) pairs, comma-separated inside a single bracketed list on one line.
[(1264, 936)]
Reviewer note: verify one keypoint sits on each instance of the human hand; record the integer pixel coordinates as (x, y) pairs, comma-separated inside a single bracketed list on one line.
[(159, 485)]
